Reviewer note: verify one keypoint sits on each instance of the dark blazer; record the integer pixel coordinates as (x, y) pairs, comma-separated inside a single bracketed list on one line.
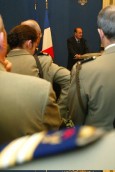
[(75, 48)]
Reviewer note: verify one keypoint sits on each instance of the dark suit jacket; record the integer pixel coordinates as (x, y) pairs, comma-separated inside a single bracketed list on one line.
[(75, 48)]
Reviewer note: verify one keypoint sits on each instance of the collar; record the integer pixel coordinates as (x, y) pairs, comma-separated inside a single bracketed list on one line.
[(18, 52), (78, 40), (109, 46)]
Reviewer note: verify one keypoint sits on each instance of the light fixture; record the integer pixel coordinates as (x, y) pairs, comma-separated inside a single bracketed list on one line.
[(82, 2)]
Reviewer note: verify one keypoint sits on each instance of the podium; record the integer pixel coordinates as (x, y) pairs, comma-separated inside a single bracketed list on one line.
[(87, 55)]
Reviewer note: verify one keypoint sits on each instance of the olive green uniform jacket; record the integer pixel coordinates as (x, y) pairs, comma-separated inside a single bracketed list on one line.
[(27, 105), (97, 87), (24, 63), (61, 76)]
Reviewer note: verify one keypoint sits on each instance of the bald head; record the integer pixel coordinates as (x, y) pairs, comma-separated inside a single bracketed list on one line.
[(78, 32), (33, 24)]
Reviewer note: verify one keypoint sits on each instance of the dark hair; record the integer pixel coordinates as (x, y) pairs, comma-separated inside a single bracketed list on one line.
[(75, 30), (106, 21), (19, 34)]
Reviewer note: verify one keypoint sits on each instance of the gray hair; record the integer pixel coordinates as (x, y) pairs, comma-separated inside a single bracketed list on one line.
[(106, 21)]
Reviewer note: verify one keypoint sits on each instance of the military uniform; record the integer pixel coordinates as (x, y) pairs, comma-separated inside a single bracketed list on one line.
[(24, 63), (97, 85), (61, 76), (27, 105)]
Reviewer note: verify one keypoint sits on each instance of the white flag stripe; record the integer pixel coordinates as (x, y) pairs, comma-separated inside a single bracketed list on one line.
[(26, 151), (8, 155), (47, 39)]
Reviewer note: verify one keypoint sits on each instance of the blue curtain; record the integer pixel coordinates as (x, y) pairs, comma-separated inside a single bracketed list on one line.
[(64, 16)]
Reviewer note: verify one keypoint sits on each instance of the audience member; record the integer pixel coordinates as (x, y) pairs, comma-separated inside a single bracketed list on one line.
[(76, 46), (3, 47), (53, 73), (27, 104), (96, 79), (22, 41)]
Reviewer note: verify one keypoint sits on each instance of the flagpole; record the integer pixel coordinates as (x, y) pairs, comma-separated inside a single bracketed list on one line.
[(46, 4), (35, 4), (47, 45)]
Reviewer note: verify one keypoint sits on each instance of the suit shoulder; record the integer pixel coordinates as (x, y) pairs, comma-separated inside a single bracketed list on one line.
[(70, 38)]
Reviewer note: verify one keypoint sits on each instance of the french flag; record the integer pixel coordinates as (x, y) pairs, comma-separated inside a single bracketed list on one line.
[(47, 46)]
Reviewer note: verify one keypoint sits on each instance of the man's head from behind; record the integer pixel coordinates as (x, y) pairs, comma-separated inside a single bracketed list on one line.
[(106, 25), (23, 37), (35, 25), (78, 32)]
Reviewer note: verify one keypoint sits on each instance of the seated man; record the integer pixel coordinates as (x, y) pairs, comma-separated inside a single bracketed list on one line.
[(27, 104), (76, 46), (57, 75)]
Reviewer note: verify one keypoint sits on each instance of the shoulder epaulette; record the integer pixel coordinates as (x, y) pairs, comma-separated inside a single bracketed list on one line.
[(87, 59), (42, 54)]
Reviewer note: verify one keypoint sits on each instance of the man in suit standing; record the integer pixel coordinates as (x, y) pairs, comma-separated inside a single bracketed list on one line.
[(76, 47)]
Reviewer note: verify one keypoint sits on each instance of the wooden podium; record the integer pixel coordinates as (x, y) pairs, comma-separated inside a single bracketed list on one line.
[(90, 55)]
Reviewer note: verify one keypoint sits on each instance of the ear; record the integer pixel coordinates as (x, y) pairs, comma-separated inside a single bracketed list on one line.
[(101, 33), (29, 44), (1, 38), (3, 44)]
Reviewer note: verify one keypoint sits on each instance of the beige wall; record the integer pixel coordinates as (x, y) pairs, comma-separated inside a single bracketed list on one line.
[(108, 2), (108, 170)]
